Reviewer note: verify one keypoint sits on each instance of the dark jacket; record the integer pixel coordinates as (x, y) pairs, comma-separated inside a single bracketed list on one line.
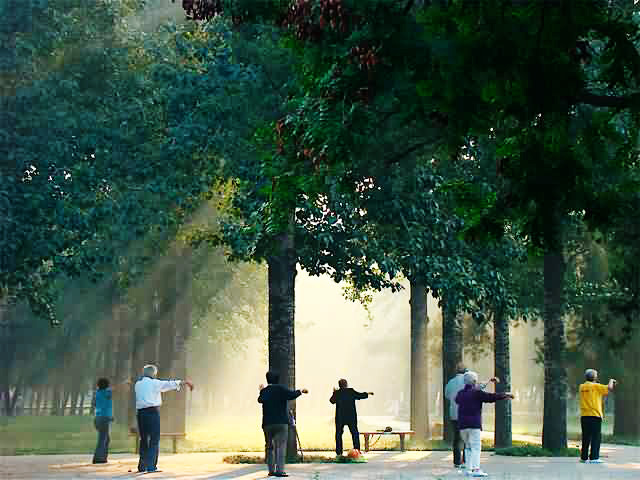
[(345, 401), (470, 401), (274, 400)]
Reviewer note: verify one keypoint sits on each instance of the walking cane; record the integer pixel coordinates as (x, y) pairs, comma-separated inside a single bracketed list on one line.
[(292, 421)]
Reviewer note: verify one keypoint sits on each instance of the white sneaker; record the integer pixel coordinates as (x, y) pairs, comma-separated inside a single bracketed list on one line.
[(479, 473), (584, 461), (597, 460)]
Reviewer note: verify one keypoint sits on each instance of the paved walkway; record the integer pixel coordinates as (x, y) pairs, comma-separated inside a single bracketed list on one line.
[(622, 463)]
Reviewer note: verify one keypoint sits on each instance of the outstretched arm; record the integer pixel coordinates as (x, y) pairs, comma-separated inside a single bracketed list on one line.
[(293, 394), (494, 397), (360, 395), (167, 385)]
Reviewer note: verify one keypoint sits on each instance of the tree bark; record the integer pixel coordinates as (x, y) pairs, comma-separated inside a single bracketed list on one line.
[(176, 330), (419, 363), (281, 280), (120, 397), (137, 363), (451, 357), (502, 368), (554, 425)]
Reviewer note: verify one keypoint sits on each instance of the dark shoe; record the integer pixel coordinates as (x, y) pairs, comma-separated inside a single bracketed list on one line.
[(271, 474), (281, 474), (155, 470), (99, 461)]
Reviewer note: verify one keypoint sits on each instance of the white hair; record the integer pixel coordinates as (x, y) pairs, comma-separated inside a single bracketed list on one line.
[(470, 378), (150, 370), (590, 374)]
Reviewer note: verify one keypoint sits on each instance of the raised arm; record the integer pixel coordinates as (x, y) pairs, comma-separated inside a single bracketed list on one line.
[(612, 385), (333, 396)]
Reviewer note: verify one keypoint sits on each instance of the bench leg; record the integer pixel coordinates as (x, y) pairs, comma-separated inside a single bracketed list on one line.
[(402, 442), (136, 444), (175, 445), (366, 442)]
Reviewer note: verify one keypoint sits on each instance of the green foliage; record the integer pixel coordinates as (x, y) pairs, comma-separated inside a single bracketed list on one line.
[(88, 154)]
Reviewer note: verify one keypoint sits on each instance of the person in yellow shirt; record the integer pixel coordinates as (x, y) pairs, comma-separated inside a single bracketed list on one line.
[(591, 414)]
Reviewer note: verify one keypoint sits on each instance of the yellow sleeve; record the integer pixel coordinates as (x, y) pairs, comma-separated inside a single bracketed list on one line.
[(603, 389)]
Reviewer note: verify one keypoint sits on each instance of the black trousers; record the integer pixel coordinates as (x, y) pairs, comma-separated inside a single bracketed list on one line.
[(355, 436), (458, 445), (149, 430), (591, 436), (103, 425)]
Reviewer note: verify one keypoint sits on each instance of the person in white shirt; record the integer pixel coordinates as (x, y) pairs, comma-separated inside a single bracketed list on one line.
[(148, 400), (451, 390)]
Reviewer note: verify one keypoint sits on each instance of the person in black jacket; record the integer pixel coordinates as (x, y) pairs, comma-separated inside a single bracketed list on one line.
[(275, 421), (344, 399)]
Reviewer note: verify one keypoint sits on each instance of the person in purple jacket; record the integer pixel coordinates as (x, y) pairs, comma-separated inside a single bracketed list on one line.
[(470, 400)]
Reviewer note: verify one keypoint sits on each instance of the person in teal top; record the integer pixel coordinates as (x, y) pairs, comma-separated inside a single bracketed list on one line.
[(104, 417)]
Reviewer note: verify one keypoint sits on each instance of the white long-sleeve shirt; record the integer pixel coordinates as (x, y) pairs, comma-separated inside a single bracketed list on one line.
[(149, 391)]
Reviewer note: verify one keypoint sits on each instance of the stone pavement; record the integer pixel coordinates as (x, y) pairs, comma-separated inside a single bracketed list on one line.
[(622, 463)]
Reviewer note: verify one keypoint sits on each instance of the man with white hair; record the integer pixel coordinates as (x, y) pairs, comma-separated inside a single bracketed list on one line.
[(591, 414), (148, 400), (470, 400)]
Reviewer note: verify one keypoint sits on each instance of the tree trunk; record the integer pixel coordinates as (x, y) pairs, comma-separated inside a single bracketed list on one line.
[(451, 357), (281, 279), (502, 368), (419, 363), (120, 396), (176, 330), (554, 425), (137, 363)]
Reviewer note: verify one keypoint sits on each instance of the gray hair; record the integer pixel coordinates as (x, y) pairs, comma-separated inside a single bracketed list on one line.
[(150, 370), (590, 374), (470, 378)]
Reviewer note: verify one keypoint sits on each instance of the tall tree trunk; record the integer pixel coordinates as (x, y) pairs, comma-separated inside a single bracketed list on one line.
[(176, 330), (502, 368), (281, 279), (419, 363), (120, 396), (554, 425), (137, 363), (451, 357)]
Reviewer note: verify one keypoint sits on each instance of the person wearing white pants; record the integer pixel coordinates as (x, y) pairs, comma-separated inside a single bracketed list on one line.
[(470, 400), (472, 447)]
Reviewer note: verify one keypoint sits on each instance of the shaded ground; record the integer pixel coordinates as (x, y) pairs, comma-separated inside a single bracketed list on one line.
[(621, 463)]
